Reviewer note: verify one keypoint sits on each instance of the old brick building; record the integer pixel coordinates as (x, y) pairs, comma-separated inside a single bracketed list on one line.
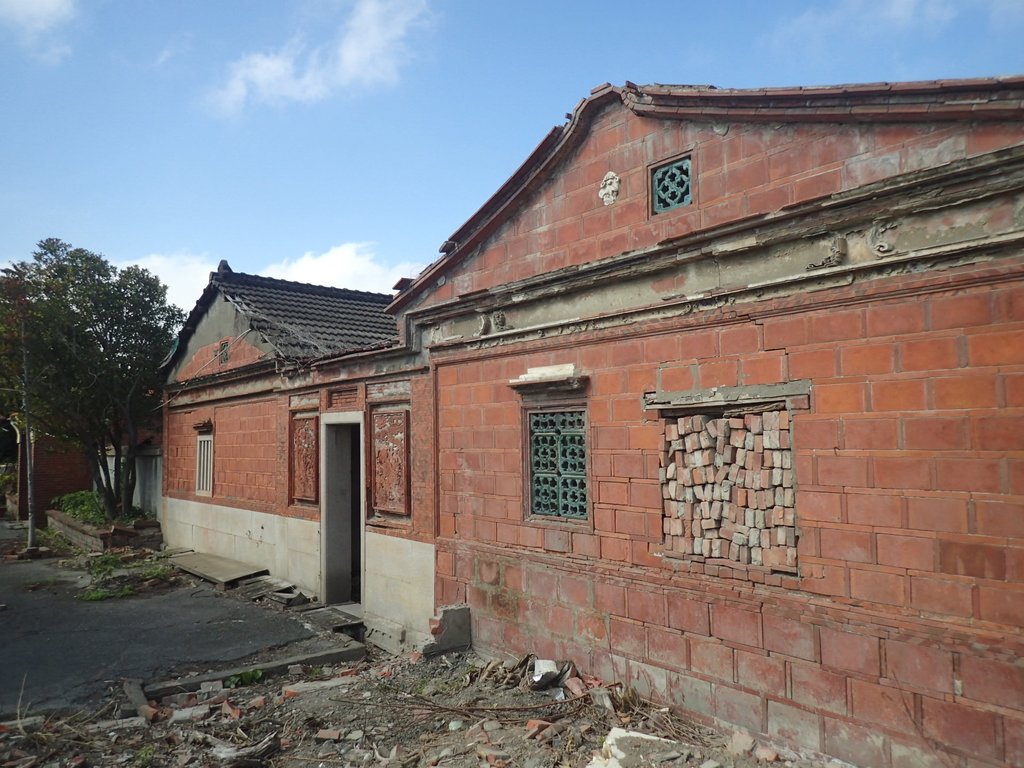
[(264, 453), (720, 395)]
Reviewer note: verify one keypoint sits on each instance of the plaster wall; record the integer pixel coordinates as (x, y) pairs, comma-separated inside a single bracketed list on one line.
[(289, 547), (399, 591)]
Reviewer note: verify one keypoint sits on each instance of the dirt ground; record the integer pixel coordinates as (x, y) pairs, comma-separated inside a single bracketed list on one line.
[(457, 710)]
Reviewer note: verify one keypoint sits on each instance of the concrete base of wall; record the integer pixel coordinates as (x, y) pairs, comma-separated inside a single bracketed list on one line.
[(398, 597), (287, 547)]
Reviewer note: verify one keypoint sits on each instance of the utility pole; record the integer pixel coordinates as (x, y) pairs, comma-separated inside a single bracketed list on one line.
[(27, 442)]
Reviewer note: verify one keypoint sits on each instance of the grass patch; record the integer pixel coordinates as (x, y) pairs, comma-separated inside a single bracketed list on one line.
[(156, 571), (102, 566), (103, 593), (56, 541), (243, 679)]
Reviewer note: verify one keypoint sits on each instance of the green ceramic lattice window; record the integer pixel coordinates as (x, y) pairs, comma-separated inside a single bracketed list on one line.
[(558, 464), (670, 186)]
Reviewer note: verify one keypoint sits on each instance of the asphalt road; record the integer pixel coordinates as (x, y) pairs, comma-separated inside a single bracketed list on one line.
[(59, 652)]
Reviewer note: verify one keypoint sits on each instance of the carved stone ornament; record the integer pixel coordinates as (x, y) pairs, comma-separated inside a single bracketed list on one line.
[(880, 241), (493, 322), (836, 255), (609, 190)]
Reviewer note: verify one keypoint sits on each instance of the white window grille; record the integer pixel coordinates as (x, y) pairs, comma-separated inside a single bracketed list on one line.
[(204, 464)]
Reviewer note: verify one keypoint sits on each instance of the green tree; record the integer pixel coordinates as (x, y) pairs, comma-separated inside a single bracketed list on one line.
[(95, 336)]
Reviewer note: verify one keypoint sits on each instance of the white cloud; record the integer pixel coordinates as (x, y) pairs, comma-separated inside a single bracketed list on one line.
[(35, 17), (825, 31), (185, 274), (350, 265), (36, 21), (368, 50)]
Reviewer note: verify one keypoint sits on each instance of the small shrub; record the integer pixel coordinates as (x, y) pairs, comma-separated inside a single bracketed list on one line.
[(83, 505), (242, 679), (102, 566), (8, 482)]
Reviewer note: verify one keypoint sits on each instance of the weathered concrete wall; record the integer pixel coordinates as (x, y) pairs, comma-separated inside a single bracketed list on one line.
[(288, 547)]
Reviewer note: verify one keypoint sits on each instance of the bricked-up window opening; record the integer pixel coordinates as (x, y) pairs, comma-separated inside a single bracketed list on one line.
[(558, 463), (670, 186), (728, 488), (204, 463)]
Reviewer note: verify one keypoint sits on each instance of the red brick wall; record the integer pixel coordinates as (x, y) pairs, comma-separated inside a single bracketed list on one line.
[(57, 469), (206, 361), (752, 169), (249, 453), (904, 624)]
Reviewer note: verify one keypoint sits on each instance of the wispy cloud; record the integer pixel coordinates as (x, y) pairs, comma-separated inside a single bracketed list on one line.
[(819, 35), (185, 274), (349, 265), (369, 49), (36, 23)]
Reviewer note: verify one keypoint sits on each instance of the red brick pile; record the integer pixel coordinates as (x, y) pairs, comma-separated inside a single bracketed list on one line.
[(728, 491)]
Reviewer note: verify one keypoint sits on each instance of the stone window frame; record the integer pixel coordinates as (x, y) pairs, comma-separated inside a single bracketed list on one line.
[(554, 389), (653, 168), (794, 397)]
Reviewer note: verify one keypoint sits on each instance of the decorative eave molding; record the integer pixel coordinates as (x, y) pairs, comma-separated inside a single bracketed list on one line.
[(550, 380), (980, 99), (747, 396)]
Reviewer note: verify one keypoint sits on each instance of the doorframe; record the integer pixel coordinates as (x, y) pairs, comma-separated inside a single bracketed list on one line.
[(327, 422)]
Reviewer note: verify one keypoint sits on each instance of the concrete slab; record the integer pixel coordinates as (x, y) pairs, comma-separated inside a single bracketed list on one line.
[(219, 570), (346, 650), (332, 618)]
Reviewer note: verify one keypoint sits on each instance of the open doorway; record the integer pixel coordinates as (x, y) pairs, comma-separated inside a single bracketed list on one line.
[(341, 514)]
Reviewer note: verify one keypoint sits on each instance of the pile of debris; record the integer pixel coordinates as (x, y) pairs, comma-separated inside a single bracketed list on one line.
[(452, 710)]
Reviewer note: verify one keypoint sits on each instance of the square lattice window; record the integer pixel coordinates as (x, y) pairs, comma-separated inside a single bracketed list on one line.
[(671, 186), (728, 489), (558, 463)]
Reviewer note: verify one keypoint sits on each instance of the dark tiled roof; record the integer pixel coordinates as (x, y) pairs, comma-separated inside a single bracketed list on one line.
[(303, 321), (300, 321)]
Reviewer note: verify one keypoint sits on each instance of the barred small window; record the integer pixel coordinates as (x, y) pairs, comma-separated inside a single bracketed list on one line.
[(204, 463), (670, 186), (558, 464)]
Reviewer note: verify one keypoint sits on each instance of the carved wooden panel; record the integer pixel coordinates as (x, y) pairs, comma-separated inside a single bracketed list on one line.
[(391, 462), (305, 452)]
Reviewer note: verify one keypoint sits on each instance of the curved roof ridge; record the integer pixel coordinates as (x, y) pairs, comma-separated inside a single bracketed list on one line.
[(243, 278)]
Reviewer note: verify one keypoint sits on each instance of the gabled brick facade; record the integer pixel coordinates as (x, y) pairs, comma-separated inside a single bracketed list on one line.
[(851, 266)]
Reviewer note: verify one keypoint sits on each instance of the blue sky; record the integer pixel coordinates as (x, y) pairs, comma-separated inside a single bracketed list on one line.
[(341, 141)]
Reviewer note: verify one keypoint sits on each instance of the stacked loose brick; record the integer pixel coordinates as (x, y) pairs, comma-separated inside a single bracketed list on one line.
[(728, 489)]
